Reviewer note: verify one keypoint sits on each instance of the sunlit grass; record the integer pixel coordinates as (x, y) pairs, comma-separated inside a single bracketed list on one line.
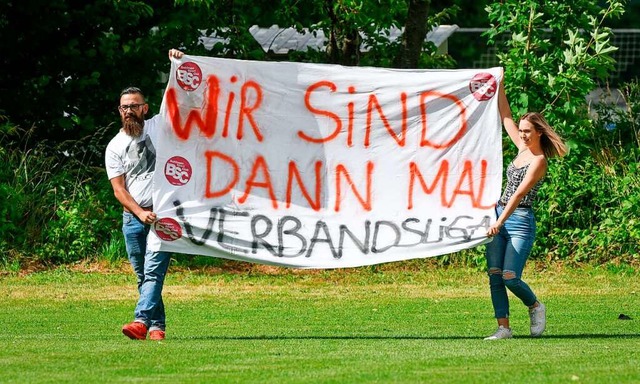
[(262, 324)]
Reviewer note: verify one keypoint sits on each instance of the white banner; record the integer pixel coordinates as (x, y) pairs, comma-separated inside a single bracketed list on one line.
[(324, 166)]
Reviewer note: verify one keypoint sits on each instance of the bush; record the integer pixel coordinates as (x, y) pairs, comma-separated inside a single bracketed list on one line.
[(589, 209), (56, 207), (79, 228)]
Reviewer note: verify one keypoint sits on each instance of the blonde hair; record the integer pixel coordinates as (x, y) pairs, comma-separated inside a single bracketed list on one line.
[(551, 143)]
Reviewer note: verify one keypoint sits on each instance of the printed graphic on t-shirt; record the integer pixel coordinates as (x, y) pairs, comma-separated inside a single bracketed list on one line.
[(143, 154)]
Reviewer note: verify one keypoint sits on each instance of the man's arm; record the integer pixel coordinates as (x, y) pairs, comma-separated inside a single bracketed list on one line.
[(127, 201)]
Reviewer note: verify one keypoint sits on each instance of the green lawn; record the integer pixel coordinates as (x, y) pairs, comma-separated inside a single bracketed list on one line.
[(267, 325)]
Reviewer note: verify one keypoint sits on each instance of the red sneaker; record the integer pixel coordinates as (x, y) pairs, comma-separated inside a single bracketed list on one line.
[(156, 334), (135, 331)]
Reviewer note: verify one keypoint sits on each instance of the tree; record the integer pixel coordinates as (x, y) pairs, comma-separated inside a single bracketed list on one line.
[(555, 54), (415, 30), (65, 61), (351, 25)]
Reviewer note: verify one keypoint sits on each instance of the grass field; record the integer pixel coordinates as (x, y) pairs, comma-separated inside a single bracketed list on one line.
[(268, 325)]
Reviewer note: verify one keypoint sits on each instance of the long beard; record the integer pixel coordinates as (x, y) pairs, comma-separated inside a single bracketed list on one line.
[(133, 125)]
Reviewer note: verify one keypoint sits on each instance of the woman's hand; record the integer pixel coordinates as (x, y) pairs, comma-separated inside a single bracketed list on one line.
[(494, 230)]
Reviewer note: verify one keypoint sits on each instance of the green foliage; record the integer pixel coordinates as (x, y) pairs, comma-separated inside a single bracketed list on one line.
[(24, 188), (58, 209), (373, 21), (114, 251), (348, 24), (385, 53), (65, 63), (591, 205), (78, 228), (556, 53)]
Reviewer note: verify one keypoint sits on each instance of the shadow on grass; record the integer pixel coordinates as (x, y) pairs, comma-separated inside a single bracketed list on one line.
[(405, 337)]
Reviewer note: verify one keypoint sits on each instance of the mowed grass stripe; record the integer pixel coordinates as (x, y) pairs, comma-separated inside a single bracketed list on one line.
[(353, 326)]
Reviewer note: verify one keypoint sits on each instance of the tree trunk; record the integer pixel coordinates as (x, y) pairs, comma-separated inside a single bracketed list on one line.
[(344, 40), (415, 31)]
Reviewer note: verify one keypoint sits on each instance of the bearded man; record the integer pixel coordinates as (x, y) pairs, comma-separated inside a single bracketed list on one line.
[(130, 160)]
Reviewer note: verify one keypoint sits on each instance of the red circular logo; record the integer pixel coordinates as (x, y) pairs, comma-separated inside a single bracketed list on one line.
[(189, 76), (178, 171), (168, 229), (483, 86)]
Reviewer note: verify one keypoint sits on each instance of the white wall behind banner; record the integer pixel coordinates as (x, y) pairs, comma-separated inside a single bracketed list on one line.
[(324, 166)]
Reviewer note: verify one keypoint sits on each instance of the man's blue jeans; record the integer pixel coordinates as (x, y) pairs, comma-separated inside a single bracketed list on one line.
[(150, 269), (506, 255)]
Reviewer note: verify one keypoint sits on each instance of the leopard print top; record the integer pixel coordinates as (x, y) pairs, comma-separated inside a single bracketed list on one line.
[(515, 176)]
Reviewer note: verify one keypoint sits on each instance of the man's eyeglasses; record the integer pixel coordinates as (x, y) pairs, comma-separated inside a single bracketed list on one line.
[(132, 107)]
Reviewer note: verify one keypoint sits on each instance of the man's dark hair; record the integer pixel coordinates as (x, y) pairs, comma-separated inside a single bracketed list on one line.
[(131, 90)]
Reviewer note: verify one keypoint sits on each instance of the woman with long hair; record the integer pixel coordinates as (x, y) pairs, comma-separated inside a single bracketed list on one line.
[(513, 232)]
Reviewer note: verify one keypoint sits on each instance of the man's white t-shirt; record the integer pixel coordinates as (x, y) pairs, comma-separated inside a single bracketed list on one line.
[(135, 158)]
